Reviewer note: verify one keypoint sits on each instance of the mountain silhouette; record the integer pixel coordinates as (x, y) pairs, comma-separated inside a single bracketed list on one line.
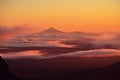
[(111, 72), (51, 30), (5, 74)]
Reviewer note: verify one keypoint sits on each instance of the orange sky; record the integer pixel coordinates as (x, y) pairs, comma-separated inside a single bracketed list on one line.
[(66, 15)]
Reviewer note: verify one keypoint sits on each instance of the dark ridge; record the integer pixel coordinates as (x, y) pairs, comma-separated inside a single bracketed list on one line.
[(5, 74), (107, 73), (52, 30)]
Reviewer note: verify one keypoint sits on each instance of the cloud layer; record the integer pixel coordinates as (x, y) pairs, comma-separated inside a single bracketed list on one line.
[(7, 33), (24, 36)]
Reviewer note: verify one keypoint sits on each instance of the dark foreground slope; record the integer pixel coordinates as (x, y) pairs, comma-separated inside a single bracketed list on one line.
[(4, 71), (107, 73), (111, 72)]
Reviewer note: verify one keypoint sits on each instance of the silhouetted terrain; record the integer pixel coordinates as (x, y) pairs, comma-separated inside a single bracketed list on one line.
[(107, 73), (63, 65), (63, 68), (5, 74)]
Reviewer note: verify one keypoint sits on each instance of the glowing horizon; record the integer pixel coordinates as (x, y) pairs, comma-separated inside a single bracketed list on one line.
[(66, 15)]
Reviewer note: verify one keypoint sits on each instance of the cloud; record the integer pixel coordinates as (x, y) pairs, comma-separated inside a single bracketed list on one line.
[(104, 36), (82, 43), (24, 29), (77, 54), (7, 33), (99, 41), (86, 42), (95, 53), (108, 40)]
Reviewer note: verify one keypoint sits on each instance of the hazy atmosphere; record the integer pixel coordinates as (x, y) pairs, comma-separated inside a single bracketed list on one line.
[(59, 39), (66, 15)]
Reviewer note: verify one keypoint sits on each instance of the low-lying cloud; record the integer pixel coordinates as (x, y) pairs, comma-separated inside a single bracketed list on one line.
[(7, 33), (95, 53), (101, 41), (83, 43), (24, 36)]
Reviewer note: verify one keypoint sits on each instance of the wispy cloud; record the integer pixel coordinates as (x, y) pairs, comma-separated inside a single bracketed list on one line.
[(7, 33), (103, 40)]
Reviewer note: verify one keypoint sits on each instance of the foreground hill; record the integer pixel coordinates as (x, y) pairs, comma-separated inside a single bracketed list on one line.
[(111, 72), (5, 74), (107, 73), (62, 68)]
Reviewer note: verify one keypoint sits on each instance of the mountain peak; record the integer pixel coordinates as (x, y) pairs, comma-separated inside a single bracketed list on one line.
[(51, 30)]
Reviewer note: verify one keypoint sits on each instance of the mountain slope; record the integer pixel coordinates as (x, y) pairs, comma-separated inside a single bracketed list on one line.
[(51, 30), (107, 73), (4, 71)]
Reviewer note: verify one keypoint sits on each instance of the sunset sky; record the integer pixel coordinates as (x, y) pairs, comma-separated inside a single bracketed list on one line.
[(66, 15)]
